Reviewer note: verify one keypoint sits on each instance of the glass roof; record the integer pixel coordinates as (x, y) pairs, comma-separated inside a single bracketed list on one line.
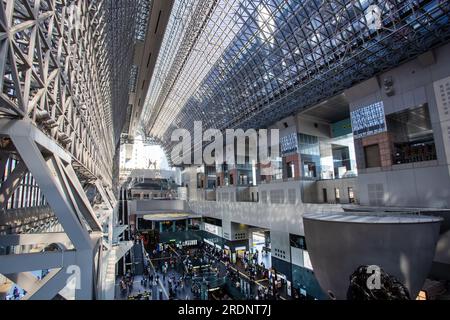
[(249, 63), (123, 24)]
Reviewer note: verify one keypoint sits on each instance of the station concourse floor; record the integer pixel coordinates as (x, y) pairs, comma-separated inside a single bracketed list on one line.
[(186, 293)]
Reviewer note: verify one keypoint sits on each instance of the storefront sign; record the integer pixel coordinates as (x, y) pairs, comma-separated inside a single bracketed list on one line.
[(190, 243)]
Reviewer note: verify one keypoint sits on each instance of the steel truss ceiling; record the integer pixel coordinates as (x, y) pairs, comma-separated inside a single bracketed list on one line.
[(65, 64), (242, 63)]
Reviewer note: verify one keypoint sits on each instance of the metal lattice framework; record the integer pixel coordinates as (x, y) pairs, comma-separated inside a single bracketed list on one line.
[(65, 70), (144, 13), (242, 63), (65, 65)]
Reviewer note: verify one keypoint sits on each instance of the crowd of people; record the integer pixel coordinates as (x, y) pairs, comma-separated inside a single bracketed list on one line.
[(252, 269), (178, 267), (126, 284)]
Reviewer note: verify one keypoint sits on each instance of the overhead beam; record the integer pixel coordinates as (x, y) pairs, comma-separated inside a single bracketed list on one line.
[(33, 238), (25, 215), (14, 263), (24, 128)]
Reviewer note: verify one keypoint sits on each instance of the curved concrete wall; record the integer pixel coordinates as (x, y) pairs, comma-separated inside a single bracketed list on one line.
[(157, 206), (280, 217), (337, 248)]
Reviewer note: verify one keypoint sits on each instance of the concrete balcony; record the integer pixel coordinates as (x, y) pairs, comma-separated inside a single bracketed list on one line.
[(234, 194)]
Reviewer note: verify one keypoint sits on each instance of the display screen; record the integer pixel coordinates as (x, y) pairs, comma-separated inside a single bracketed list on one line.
[(368, 120), (289, 144)]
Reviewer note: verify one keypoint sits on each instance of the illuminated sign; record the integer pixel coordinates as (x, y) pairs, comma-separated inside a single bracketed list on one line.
[(369, 120), (212, 229)]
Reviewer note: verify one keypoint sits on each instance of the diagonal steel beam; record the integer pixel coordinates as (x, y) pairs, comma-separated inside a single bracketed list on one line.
[(81, 198), (26, 280), (44, 289), (49, 287), (103, 193), (14, 263), (112, 197), (12, 182), (24, 128), (33, 238), (49, 180)]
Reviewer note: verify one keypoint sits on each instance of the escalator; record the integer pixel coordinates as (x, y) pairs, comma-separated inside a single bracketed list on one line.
[(137, 259)]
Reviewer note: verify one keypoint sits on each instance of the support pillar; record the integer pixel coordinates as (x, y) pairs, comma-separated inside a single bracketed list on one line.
[(85, 286)]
